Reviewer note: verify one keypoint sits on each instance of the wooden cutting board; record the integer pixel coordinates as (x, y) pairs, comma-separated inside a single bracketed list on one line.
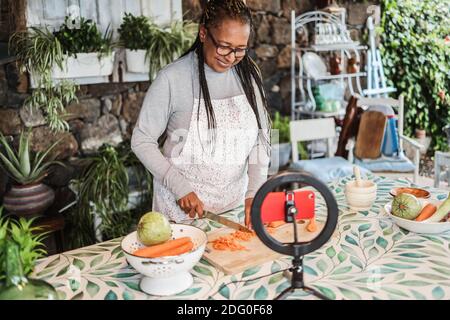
[(370, 135), (232, 262)]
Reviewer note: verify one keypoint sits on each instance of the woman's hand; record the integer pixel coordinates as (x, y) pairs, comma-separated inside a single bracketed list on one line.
[(248, 206), (191, 204)]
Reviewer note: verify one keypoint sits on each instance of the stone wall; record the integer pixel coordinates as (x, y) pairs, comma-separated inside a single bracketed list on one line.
[(108, 112), (105, 113)]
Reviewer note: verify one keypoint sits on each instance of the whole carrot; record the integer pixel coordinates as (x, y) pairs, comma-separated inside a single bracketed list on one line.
[(157, 250), (178, 250), (426, 212)]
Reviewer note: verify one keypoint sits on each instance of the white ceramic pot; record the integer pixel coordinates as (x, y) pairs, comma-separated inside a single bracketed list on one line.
[(360, 197), (166, 275), (85, 65), (136, 61)]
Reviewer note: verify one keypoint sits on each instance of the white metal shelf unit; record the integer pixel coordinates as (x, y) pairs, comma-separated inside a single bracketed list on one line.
[(307, 104)]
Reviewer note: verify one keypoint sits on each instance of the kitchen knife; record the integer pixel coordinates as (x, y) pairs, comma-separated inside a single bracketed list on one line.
[(225, 221)]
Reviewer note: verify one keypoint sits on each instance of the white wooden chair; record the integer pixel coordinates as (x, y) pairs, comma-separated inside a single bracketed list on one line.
[(441, 159), (325, 169), (397, 105)]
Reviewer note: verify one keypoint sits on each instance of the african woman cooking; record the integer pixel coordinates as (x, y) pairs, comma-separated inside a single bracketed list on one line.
[(211, 106)]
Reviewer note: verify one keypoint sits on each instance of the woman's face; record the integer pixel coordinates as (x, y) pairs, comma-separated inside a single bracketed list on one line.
[(218, 40)]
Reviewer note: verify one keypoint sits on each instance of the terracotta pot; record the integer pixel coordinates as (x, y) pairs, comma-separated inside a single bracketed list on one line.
[(28, 200), (420, 134)]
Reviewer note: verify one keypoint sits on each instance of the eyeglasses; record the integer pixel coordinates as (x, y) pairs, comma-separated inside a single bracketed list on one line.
[(226, 50)]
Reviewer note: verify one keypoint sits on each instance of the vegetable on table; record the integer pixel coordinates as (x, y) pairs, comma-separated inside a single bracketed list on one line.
[(426, 212), (441, 212), (162, 249)]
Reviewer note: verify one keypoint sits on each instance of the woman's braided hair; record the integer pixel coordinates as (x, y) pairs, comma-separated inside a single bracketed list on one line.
[(215, 12)]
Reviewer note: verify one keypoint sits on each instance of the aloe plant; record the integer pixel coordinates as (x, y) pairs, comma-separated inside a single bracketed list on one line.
[(22, 166)]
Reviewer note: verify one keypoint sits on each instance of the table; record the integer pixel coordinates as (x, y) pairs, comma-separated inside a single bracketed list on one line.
[(368, 258)]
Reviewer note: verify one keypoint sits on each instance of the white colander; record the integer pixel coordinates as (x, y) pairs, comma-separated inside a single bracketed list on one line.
[(166, 275)]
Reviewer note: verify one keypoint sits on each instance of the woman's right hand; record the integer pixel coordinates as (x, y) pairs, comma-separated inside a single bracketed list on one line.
[(191, 204)]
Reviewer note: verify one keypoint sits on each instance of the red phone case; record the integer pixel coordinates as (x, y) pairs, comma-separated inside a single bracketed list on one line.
[(273, 207)]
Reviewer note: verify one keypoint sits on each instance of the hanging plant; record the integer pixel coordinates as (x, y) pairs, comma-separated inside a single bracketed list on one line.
[(38, 51)]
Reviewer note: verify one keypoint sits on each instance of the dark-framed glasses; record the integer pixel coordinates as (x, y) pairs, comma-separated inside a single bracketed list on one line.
[(226, 50)]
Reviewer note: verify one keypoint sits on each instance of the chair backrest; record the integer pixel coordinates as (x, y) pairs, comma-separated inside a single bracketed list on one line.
[(394, 103), (311, 129)]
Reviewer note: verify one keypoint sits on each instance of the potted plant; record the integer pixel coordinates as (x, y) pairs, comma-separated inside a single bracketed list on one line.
[(150, 47), (20, 247), (167, 44), (282, 149), (135, 35), (28, 195), (106, 195), (86, 52)]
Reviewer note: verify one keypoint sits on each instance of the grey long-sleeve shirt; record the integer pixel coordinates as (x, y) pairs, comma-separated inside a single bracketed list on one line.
[(167, 107)]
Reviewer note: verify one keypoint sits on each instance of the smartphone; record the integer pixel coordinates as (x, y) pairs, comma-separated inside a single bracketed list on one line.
[(273, 207)]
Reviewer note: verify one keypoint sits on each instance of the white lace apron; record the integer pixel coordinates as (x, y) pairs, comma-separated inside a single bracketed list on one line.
[(219, 178)]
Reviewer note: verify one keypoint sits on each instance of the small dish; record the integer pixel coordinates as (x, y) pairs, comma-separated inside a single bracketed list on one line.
[(314, 65), (417, 226), (418, 193)]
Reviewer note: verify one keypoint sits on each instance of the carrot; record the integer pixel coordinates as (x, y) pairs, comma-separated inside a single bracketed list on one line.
[(426, 212), (311, 227), (276, 224), (158, 249), (178, 250)]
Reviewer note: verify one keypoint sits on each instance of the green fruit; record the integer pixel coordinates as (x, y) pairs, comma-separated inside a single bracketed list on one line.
[(153, 228), (406, 206)]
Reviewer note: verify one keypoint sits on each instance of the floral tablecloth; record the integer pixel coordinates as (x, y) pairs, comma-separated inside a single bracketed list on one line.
[(369, 257)]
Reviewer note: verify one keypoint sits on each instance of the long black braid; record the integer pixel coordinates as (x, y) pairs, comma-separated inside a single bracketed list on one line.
[(247, 70)]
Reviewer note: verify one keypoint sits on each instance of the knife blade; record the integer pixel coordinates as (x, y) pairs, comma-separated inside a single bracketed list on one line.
[(225, 221)]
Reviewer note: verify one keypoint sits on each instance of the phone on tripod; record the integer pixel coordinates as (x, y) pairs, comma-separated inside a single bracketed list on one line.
[(273, 207)]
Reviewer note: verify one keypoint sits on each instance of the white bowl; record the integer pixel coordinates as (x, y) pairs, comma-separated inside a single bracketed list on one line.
[(360, 197), (166, 275), (417, 226)]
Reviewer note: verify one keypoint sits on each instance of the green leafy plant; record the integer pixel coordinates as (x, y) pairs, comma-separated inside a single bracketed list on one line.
[(167, 44), (416, 57), (53, 98), (83, 36), (135, 32), (103, 190), (38, 51), (27, 238), (162, 44), (22, 165), (281, 123)]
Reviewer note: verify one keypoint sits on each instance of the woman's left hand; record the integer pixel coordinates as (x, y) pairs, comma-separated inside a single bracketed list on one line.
[(248, 206)]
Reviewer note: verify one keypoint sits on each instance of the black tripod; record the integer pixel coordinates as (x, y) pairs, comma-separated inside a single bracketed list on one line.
[(295, 249), (297, 263)]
